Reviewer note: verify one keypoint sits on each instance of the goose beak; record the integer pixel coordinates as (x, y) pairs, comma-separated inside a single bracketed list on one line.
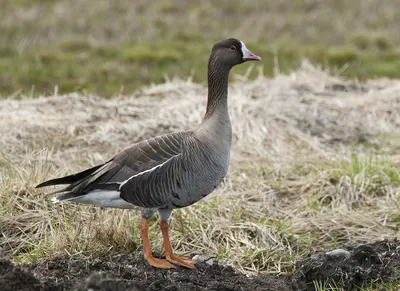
[(248, 55)]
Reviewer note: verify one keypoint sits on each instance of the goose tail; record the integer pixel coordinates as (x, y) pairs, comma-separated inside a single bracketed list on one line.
[(68, 179)]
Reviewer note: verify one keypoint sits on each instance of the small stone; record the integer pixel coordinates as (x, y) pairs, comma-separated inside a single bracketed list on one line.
[(339, 253), (203, 259)]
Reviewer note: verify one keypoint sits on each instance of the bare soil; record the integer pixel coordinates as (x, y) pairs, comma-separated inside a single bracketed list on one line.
[(350, 268)]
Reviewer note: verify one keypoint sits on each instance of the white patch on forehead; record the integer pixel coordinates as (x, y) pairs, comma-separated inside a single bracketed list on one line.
[(245, 51), (244, 48)]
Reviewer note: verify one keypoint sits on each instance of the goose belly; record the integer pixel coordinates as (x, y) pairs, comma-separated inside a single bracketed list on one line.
[(201, 175), (198, 187)]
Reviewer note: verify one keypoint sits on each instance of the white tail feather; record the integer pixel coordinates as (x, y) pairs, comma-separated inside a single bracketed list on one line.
[(100, 198), (55, 200)]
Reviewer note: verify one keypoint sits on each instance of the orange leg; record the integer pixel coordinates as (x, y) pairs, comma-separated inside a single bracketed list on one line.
[(168, 249), (144, 230)]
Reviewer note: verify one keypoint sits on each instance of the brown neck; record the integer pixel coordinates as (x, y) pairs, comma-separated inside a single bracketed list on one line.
[(217, 88)]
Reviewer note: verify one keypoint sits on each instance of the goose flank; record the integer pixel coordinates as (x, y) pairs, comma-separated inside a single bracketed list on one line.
[(169, 171)]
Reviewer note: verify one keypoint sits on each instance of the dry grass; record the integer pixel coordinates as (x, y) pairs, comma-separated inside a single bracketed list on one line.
[(315, 163)]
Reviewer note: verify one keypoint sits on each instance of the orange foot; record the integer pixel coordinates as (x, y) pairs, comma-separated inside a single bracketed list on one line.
[(188, 263), (163, 264), (178, 260)]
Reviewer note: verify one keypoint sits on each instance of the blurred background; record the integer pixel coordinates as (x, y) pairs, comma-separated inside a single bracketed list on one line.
[(104, 47)]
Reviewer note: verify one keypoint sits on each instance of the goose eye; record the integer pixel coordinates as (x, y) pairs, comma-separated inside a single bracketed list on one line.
[(233, 48)]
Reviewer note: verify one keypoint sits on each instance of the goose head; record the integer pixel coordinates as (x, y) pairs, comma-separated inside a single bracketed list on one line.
[(231, 52)]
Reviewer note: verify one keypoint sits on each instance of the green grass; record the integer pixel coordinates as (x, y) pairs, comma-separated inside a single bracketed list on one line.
[(124, 46)]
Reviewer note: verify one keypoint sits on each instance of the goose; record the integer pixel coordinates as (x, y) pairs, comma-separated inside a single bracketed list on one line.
[(169, 171)]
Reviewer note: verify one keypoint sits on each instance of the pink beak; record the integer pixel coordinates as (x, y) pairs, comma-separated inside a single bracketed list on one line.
[(248, 55), (251, 57)]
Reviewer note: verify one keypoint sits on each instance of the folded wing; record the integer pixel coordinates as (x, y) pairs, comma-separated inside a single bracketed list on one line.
[(139, 158)]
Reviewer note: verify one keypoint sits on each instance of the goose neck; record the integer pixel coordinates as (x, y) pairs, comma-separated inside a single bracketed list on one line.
[(217, 101)]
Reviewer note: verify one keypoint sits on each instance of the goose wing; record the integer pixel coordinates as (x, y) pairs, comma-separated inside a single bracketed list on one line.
[(140, 158)]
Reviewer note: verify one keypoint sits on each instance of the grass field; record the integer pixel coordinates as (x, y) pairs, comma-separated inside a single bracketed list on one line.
[(104, 47), (315, 158), (315, 165)]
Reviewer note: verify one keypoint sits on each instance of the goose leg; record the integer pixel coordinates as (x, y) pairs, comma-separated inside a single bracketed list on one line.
[(168, 249), (144, 230)]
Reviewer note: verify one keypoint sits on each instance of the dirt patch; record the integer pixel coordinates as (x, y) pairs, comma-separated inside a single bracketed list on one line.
[(349, 268), (131, 272), (17, 278)]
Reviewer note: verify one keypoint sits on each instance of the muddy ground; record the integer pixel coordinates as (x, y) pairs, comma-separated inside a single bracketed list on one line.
[(349, 267)]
